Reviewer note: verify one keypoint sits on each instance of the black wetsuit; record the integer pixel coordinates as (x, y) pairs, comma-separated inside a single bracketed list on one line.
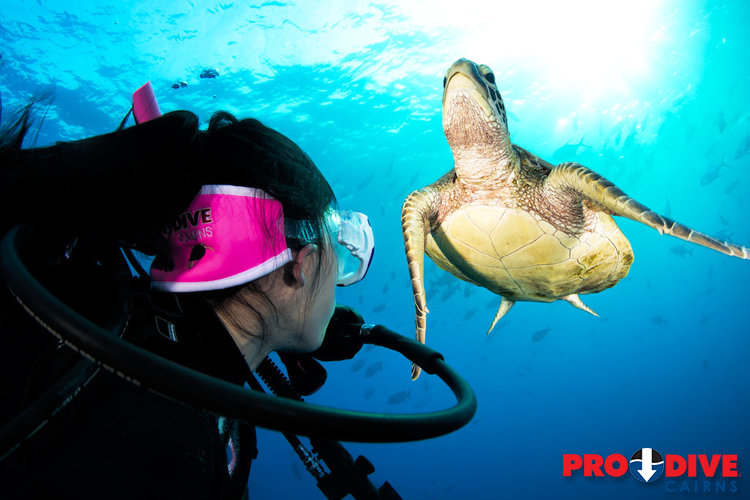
[(115, 439)]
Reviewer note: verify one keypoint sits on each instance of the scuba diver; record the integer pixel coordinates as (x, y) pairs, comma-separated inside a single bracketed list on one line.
[(168, 262)]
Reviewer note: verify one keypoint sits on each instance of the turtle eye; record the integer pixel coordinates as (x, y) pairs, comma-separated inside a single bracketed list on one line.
[(487, 73)]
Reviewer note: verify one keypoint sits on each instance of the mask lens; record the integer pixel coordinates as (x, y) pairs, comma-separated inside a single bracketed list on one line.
[(350, 237), (348, 264)]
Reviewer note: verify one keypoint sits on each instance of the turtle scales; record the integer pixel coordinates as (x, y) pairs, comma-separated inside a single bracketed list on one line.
[(504, 219)]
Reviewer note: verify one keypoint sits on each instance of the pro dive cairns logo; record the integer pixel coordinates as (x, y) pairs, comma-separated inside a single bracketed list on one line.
[(647, 465), (693, 473)]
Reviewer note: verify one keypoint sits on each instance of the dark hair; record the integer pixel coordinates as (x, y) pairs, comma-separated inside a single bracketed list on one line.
[(280, 168), (128, 185)]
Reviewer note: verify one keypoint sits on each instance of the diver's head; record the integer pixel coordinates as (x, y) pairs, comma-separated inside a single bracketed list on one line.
[(263, 242)]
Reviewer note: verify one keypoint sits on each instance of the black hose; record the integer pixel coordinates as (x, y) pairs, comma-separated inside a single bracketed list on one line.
[(36, 415), (199, 390)]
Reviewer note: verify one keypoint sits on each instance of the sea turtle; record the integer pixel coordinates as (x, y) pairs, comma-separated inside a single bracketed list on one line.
[(504, 219)]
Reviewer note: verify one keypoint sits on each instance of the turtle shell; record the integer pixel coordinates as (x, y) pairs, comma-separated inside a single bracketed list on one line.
[(522, 257)]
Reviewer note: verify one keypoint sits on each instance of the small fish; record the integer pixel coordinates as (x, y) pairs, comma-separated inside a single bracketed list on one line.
[(724, 235), (712, 174), (379, 308), (540, 334), (512, 116), (731, 187), (393, 275), (470, 314), (447, 293), (369, 392), (569, 150), (704, 319), (385, 289), (295, 469), (179, 85), (373, 369), (659, 320), (422, 403), (209, 73), (629, 142), (414, 178), (362, 185), (681, 251), (399, 397), (743, 148), (721, 122), (505, 324), (357, 365)]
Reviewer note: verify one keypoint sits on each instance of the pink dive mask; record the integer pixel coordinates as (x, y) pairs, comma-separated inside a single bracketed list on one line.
[(231, 235), (228, 236)]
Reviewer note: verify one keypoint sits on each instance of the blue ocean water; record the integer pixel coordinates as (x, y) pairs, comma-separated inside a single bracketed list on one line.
[(655, 92)]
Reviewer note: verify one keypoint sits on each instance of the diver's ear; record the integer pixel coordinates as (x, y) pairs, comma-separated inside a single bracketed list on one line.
[(295, 275)]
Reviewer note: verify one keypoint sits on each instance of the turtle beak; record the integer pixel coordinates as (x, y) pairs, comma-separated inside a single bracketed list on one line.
[(468, 79), (465, 97), (473, 112)]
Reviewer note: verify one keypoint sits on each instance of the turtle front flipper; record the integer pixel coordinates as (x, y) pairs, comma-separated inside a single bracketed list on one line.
[(605, 196), (416, 213)]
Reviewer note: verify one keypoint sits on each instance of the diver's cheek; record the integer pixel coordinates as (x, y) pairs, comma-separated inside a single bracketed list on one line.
[(331, 308), (329, 295)]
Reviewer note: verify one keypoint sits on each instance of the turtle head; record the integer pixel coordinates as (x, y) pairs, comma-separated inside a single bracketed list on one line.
[(473, 111)]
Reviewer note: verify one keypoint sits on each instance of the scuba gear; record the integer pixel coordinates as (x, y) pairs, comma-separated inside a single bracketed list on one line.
[(353, 234), (343, 337), (350, 233), (345, 476), (231, 235), (199, 390), (104, 219), (228, 236), (306, 375), (145, 107), (178, 382), (351, 237), (342, 341)]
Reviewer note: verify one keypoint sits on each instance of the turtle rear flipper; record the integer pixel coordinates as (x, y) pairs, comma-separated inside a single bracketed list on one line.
[(415, 224), (505, 305), (605, 196)]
